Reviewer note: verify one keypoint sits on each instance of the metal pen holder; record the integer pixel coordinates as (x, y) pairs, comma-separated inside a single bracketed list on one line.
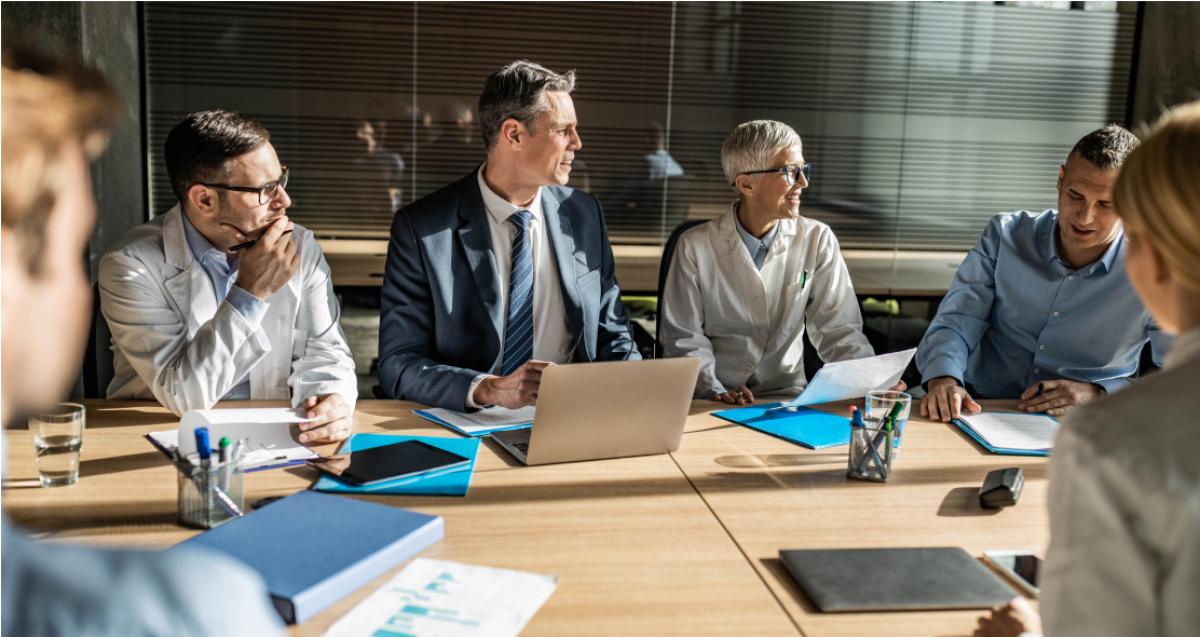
[(871, 452), (209, 495)]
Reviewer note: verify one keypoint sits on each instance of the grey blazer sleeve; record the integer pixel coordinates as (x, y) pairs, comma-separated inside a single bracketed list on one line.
[(407, 334)]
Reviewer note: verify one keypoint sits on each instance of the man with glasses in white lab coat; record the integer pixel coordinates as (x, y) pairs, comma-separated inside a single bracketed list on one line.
[(742, 288), (223, 297)]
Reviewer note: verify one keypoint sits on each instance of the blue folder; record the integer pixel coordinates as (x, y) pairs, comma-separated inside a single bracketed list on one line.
[(313, 549), (454, 482), (800, 425), (1003, 451)]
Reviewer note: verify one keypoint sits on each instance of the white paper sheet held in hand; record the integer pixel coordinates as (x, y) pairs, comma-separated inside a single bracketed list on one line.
[(853, 379), (1013, 430), (268, 432), (435, 598)]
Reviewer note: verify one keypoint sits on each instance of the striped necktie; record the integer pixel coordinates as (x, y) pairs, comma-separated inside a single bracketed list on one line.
[(518, 331)]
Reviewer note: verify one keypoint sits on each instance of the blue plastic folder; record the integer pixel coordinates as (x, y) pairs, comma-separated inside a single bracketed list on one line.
[(800, 425), (454, 482)]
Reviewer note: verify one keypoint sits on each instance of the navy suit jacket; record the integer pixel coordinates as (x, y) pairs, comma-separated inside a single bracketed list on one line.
[(440, 319)]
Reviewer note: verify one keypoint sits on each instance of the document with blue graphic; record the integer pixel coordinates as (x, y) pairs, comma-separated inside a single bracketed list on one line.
[(436, 598)]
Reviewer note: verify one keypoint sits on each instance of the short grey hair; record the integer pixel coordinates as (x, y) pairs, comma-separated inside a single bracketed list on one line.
[(752, 146), (518, 91)]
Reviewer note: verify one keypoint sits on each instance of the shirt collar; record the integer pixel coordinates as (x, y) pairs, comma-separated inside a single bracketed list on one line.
[(1103, 265), (499, 208), (202, 250), (752, 242)]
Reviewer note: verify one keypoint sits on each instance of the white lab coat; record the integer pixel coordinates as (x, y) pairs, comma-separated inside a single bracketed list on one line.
[(746, 325), (172, 342)]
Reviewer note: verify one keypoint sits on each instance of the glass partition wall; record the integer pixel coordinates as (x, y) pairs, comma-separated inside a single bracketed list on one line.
[(922, 120)]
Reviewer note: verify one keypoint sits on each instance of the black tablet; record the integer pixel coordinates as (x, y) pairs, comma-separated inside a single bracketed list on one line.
[(387, 462)]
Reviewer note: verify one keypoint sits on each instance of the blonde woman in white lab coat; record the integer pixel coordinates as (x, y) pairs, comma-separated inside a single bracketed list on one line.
[(742, 288)]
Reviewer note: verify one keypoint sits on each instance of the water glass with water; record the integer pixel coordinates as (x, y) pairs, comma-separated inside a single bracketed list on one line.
[(57, 439), (880, 404)]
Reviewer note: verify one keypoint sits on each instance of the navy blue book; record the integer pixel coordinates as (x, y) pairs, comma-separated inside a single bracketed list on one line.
[(313, 549)]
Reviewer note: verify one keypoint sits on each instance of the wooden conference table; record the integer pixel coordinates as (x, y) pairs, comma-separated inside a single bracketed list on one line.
[(678, 544)]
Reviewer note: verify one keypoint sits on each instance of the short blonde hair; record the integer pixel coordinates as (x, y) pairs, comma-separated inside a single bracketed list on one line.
[(752, 145), (1157, 194), (49, 106)]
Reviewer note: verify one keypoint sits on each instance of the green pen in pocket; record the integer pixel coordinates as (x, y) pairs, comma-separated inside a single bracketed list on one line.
[(803, 279)]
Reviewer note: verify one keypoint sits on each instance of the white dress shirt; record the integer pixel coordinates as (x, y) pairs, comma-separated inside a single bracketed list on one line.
[(551, 337), (1124, 556), (746, 324)]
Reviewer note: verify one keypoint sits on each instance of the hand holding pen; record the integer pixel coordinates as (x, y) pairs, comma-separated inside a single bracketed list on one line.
[(270, 263)]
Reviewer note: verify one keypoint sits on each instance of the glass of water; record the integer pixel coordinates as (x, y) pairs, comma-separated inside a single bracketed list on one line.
[(57, 439), (882, 404)]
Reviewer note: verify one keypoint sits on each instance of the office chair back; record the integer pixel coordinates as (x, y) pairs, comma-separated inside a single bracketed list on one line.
[(664, 268), (98, 359)]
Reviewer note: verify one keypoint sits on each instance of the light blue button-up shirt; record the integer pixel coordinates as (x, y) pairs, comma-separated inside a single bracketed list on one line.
[(758, 247), (222, 270), (1017, 314)]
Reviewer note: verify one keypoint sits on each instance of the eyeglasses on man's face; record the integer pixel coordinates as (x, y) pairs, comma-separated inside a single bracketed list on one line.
[(266, 192), (791, 172)]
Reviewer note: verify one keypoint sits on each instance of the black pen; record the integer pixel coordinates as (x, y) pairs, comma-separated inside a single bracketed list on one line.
[(250, 244)]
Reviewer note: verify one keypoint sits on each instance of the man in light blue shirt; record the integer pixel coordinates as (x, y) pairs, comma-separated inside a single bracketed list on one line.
[(1041, 309)]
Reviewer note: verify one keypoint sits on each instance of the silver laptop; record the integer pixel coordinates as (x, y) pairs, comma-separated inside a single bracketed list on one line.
[(589, 411)]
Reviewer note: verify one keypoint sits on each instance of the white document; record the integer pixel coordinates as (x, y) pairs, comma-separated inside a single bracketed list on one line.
[(484, 420), (435, 598), (267, 430), (854, 378), (1013, 430)]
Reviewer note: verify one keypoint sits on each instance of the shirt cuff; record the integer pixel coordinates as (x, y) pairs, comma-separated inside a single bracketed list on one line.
[(1112, 385), (939, 368), (470, 402), (249, 306)]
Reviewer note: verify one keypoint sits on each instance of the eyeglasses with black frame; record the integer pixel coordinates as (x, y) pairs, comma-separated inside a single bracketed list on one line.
[(791, 172), (265, 193)]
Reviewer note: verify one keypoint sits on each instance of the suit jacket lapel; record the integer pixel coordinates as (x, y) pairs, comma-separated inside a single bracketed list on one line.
[(191, 288), (475, 237)]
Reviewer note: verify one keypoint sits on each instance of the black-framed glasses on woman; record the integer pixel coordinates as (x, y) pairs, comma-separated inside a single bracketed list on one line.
[(266, 192), (791, 172)]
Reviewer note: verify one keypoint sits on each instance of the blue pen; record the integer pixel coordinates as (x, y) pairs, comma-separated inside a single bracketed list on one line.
[(203, 447)]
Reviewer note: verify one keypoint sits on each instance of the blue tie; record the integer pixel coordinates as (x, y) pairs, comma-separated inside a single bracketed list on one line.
[(518, 333)]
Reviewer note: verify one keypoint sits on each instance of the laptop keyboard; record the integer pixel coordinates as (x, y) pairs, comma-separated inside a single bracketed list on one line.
[(523, 447)]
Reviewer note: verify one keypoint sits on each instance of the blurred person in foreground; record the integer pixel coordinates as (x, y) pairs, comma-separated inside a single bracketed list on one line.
[(54, 118), (1124, 556)]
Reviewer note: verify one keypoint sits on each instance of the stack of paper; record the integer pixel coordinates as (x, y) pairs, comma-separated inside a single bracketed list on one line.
[(482, 422), (447, 599), (269, 432)]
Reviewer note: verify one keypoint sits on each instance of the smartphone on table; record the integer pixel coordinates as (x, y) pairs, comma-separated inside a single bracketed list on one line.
[(387, 462), (1023, 568)]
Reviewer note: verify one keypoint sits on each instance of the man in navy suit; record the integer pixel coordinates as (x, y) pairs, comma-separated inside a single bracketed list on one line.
[(506, 271)]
